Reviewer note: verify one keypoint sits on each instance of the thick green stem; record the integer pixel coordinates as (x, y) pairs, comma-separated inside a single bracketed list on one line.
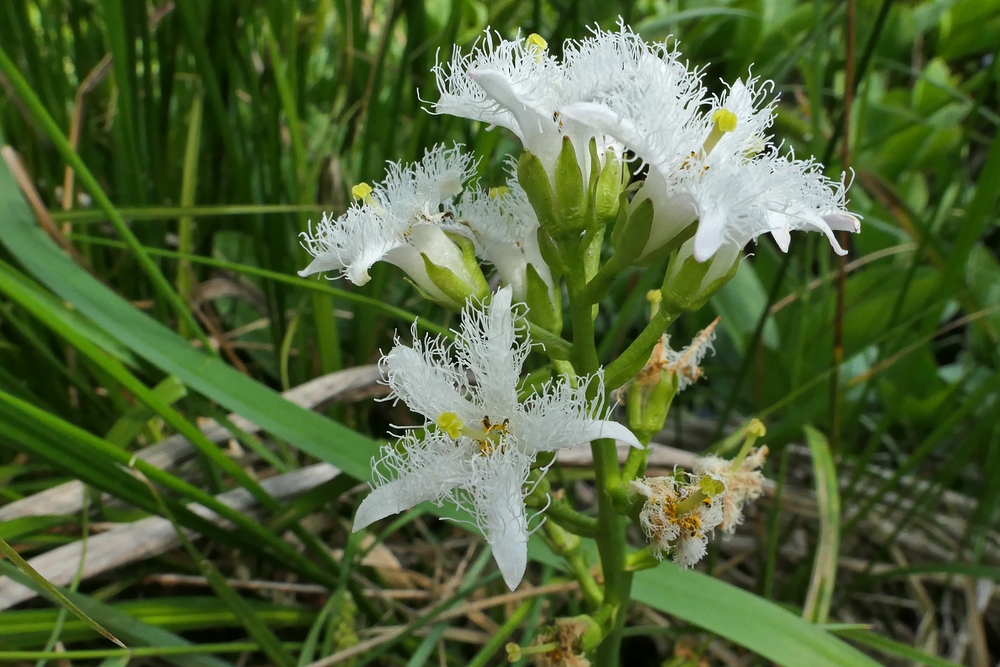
[(611, 546), (610, 524)]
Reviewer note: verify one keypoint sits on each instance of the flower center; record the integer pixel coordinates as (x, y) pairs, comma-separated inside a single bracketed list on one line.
[(490, 436)]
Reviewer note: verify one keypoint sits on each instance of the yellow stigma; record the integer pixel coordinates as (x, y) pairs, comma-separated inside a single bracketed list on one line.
[(499, 192), (536, 42), (450, 423), (756, 428), (362, 191), (724, 120)]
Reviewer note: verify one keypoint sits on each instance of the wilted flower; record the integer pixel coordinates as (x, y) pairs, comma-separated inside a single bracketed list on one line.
[(563, 643), (744, 483), (400, 221), (679, 512), (480, 438), (685, 364)]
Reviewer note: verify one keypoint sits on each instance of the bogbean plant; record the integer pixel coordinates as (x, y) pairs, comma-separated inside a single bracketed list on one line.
[(571, 218)]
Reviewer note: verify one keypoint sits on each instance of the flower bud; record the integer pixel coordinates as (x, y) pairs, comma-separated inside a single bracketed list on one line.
[(571, 195), (544, 306), (460, 281), (610, 184), (631, 231), (689, 284)]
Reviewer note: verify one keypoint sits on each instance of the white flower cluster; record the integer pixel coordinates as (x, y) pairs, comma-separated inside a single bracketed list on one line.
[(708, 156), (711, 184), (479, 438)]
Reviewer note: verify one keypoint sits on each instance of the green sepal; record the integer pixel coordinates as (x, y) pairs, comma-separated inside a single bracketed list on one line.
[(670, 246), (631, 231), (535, 181), (550, 252), (541, 309), (445, 280), (682, 292), (608, 192), (480, 288), (643, 559), (570, 197)]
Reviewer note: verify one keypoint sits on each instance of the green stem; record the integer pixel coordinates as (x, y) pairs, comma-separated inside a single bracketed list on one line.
[(577, 523), (635, 356), (567, 545), (611, 546), (635, 463)]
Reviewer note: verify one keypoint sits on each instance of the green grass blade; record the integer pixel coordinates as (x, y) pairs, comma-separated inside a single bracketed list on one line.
[(52, 592), (824, 573), (87, 179), (894, 648)]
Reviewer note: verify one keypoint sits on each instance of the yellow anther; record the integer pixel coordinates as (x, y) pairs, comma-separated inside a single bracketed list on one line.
[(724, 120), (362, 191), (537, 44), (450, 423), (756, 428), (499, 192)]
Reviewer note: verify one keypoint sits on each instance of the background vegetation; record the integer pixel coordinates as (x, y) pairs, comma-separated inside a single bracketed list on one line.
[(174, 149)]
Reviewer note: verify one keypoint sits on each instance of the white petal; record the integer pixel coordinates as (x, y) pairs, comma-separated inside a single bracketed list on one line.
[(511, 554), (843, 222), (394, 497), (425, 469), (595, 429), (325, 262), (496, 491), (424, 377), (488, 346), (710, 234)]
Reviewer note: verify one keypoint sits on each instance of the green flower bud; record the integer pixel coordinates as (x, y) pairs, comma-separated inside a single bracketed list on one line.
[(608, 192), (571, 196), (543, 309), (689, 284), (631, 231), (534, 180), (455, 288)]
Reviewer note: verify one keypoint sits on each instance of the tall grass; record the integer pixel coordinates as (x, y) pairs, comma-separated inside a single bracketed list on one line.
[(175, 150)]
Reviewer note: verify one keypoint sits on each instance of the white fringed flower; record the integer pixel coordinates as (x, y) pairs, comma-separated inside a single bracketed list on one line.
[(504, 228), (516, 84), (481, 439), (709, 161), (399, 221), (677, 515)]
